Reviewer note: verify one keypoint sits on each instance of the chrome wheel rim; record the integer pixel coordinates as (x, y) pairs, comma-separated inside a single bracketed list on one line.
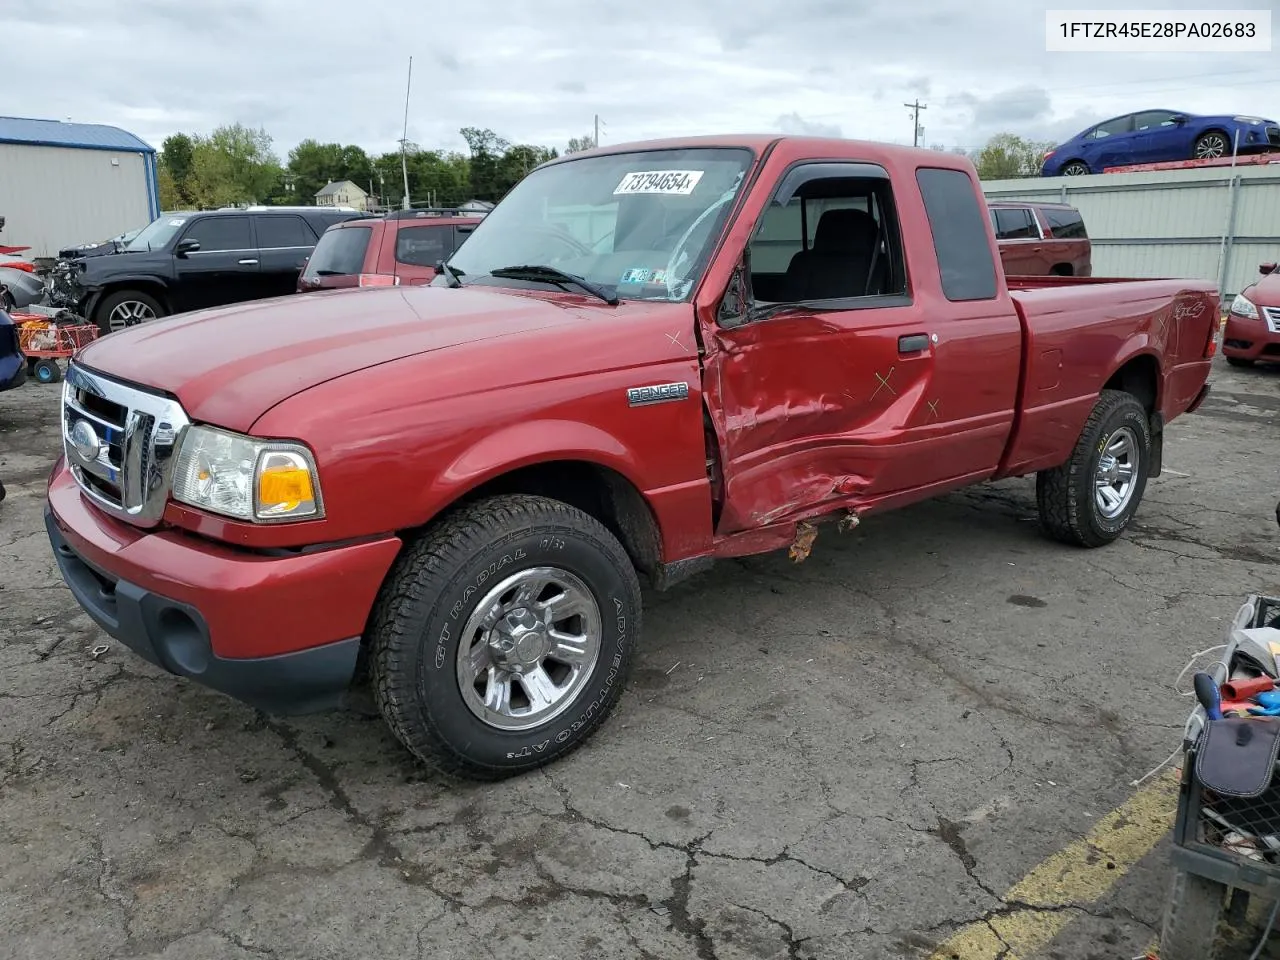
[(130, 313), (1211, 147), (1075, 170), (528, 648), (1116, 472)]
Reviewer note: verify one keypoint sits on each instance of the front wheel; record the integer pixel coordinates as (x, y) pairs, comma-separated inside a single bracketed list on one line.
[(503, 637), (126, 308), (1090, 499), (1192, 918), (1211, 146)]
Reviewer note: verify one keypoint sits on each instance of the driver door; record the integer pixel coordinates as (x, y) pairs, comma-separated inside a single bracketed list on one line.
[(843, 384)]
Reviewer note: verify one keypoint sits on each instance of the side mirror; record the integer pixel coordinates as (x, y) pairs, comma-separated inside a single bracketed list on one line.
[(187, 246), (1266, 268)]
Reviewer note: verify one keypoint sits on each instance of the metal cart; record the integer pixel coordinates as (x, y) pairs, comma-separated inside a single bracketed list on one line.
[(46, 340), (1222, 846)]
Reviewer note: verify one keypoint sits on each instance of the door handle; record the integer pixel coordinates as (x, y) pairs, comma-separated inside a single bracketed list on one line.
[(247, 263), (913, 343)]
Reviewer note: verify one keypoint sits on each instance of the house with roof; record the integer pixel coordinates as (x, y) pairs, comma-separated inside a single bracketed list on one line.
[(63, 184), (342, 193)]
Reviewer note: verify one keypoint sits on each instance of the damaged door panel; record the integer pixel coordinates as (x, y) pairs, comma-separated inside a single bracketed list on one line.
[(838, 388)]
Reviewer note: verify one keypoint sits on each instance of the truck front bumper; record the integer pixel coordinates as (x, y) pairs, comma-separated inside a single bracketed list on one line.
[(281, 633)]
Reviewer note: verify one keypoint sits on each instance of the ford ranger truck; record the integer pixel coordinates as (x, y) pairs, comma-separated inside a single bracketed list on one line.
[(647, 357)]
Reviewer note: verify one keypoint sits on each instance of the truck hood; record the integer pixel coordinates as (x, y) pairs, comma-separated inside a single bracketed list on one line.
[(230, 365)]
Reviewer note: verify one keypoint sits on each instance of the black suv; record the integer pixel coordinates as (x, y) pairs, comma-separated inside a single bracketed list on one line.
[(189, 261)]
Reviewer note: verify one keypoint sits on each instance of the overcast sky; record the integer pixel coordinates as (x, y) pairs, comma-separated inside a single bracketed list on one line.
[(538, 70)]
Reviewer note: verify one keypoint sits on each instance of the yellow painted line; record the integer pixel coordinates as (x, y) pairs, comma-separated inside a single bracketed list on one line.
[(1081, 874)]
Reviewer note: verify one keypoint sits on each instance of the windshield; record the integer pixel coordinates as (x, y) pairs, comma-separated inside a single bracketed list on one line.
[(156, 234), (340, 252), (640, 224)]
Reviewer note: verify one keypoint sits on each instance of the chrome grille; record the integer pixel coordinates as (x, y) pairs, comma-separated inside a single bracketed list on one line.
[(121, 443), (1273, 136), (1273, 318)]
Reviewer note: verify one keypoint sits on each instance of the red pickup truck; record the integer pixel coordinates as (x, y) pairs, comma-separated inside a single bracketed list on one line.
[(645, 358)]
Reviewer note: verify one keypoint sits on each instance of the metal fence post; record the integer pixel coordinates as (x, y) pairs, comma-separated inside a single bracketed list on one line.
[(1228, 235)]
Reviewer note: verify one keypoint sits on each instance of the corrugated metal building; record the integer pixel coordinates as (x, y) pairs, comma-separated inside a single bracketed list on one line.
[(1210, 223), (63, 184)]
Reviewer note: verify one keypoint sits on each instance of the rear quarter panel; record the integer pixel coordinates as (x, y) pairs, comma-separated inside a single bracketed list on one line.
[(1079, 333)]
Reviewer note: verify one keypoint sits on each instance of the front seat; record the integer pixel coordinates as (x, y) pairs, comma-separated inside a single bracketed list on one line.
[(841, 262)]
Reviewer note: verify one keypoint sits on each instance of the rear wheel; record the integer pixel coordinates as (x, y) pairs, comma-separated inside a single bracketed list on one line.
[(46, 371), (1192, 918), (1076, 168), (503, 637), (1090, 499), (126, 308)]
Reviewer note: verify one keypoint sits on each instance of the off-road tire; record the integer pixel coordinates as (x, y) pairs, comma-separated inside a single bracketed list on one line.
[(432, 588), (102, 313), (1192, 918), (1065, 494)]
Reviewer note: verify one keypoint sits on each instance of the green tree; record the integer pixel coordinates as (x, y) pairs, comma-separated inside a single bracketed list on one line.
[(1007, 156), (516, 163), (234, 164), (175, 169), (486, 149), (579, 144)]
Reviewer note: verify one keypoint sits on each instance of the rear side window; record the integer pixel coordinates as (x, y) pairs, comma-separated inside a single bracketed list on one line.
[(965, 259), (339, 253), (221, 233), (423, 246), (1015, 224), (281, 230), (1066, 224)]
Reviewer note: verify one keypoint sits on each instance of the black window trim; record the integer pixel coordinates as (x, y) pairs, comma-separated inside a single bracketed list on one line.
[(280, 216), (196, 221), (791, 180)]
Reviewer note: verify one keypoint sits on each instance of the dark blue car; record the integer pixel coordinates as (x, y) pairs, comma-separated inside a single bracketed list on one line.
[(13, 364), (1159, 136)]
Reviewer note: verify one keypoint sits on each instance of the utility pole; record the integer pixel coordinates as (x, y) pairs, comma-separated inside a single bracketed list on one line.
[(404, 163), (915, 120), (596, 140)]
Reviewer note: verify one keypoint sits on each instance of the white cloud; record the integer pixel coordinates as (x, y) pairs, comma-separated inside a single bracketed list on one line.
[(538, 72)]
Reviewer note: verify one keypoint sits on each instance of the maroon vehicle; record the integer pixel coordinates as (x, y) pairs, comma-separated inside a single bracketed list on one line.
[(1252, 331), (645, 358), (401, 248), (1041, 239)]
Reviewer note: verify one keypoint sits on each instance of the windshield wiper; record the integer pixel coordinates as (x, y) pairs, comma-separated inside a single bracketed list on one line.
[(450, 274), (534, 271)]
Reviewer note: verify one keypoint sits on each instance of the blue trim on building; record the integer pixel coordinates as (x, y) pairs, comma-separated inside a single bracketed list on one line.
[(153, 184), (83, 136)]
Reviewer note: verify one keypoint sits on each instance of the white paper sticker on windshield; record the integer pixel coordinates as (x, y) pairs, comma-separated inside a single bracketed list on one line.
[(679, 182), (176, 223)]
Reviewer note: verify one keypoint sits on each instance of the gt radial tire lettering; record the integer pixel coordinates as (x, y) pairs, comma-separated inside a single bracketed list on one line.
[(441, 657), (483, 577)]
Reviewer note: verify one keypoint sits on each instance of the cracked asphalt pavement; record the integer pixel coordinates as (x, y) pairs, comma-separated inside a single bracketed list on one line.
[(851, 757)]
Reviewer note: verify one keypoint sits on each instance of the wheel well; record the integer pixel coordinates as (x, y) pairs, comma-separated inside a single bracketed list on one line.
[(149, 287), (603, 493), (1061, 270), (1139, 377)]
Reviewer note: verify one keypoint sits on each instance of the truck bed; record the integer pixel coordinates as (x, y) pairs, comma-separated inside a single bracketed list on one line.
[(1078, 332)]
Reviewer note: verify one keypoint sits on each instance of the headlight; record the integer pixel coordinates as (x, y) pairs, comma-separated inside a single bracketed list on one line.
[(238, 476), (1243, 307), (1254, 120)]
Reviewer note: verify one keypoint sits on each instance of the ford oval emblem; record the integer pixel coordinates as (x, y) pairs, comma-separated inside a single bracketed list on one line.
[(84, 440)]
